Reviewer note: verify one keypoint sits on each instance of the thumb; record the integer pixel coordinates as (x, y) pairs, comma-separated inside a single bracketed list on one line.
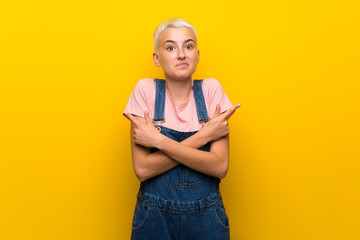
[(217, 111), (147, 117)]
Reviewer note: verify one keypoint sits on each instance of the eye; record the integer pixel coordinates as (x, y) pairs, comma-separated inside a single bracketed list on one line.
[(189, 46), (170, 48)]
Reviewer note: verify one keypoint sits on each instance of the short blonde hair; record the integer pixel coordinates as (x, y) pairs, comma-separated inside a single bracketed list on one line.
[(170, 23)]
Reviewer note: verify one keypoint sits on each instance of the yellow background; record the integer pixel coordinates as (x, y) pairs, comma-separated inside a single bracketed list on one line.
[(67, 69)]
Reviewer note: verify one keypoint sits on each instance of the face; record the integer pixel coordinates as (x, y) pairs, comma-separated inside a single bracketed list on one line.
[(178, 54)]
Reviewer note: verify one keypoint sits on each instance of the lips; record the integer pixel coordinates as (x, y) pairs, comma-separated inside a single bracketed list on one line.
[(183, 64)]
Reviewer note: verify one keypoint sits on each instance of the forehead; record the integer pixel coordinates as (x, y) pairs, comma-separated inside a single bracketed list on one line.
[(177, 35)]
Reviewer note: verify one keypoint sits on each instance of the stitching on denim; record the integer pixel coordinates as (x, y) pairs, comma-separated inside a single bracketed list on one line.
[(180, 212), (161, 118), (175, 131), (182, 227), (214, 195), (179, 185), (143, 221), (218, 219)]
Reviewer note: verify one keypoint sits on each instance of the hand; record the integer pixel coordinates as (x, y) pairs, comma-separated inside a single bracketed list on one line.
[(218, 126), (144, 133)]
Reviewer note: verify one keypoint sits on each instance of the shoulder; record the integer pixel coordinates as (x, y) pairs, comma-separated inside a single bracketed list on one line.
[(211, 84), (142, 97), (214, 94), (145, 82), (145, 85)]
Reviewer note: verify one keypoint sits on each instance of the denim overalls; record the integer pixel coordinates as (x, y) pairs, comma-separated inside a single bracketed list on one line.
[(180, 204)]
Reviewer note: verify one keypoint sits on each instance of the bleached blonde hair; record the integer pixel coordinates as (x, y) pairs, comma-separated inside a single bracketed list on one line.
[(170, 23)]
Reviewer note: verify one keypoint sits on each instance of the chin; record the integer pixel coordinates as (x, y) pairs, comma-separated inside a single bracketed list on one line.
[(182, 77)]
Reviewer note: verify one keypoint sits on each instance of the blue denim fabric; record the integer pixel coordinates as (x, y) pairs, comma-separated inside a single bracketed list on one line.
[(159, 100), (200, 101), (180, 204)]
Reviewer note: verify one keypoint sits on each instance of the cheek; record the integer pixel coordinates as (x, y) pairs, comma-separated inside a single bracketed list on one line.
[(164, 62), (194, 56), (195, 59), (167, 59)]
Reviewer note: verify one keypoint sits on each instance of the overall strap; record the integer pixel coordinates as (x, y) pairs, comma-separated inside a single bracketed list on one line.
[(159, 100), (200, 101), (160, 96)]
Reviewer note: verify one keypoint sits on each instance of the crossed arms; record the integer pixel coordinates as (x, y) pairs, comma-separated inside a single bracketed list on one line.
[(171, 153)]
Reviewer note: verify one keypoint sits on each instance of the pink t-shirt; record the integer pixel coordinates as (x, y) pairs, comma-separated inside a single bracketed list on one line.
[(178, 116)]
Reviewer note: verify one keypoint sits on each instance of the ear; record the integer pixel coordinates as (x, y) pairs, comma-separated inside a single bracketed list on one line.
[(156, 60)]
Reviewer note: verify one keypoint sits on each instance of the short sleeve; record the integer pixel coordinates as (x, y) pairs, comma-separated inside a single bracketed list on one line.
[(214, 94), (142, 98)]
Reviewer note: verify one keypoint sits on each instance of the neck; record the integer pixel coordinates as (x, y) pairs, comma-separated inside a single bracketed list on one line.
[(179, 90)]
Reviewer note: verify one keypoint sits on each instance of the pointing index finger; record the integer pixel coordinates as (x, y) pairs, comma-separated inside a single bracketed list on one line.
[(230, 111)]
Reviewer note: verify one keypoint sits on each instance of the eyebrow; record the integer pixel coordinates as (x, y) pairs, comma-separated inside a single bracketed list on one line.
[(171, 41)]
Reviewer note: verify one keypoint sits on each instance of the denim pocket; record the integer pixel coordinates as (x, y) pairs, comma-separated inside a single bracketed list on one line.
[(183, 177), (221, 216), (140, 215)]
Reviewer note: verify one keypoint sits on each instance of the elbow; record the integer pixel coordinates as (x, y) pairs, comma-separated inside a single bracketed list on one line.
[(223, 169), (140, 169), (222, 173), (141, 174), (141, 178)]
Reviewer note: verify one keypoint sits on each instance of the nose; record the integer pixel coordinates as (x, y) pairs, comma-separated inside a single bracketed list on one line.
[(181, 54)]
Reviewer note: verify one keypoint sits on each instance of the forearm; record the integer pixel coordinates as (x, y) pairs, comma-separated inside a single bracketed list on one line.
[(213, 163), (148, 165)]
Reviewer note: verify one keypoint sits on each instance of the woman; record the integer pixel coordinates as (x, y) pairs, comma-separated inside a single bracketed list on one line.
[(179, 154)]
